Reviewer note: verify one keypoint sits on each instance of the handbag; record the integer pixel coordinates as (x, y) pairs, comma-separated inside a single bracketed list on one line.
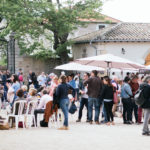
[(43, 123), (73, 108), (4, 123), (115, 99)]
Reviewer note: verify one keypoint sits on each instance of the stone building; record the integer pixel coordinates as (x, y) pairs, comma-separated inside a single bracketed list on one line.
[(26, 63), (29, 63), (94, 25), (127, 40)]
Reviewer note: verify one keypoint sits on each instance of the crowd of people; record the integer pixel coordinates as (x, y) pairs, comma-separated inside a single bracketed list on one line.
[(93, 92)]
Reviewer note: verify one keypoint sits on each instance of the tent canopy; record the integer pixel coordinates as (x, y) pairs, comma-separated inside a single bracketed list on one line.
[(78, 67), (109, 61)]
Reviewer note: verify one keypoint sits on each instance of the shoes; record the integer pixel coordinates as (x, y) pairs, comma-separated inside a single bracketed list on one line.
[(79, 120), (125, 122), (113, 123), (97, 122), (87, 120), (140, 122), (63, 128), (129, 122), (103, 122), (146, 133), (90, 122), (108, 123), (44, 124)]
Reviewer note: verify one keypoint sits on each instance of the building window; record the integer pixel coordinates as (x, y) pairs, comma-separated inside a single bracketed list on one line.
[(101, 26), (84, 54)]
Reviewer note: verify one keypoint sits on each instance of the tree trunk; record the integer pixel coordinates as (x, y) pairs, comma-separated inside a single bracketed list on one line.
[(64, 57), (56, 40), (64, 54), (60, 41)]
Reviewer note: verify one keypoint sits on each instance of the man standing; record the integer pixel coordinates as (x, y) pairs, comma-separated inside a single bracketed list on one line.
[(72, 81), (8, 74), (42, 79), (134, 87), (29, 78), (94, 87), (84, 98), (20, 71)]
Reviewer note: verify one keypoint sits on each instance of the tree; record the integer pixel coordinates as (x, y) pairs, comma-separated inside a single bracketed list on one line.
[(53, 19)]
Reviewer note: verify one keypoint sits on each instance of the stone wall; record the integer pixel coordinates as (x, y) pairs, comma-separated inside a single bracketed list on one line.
[(27, 63)]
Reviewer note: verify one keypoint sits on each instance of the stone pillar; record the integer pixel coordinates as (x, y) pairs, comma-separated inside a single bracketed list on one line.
[(11, 53)]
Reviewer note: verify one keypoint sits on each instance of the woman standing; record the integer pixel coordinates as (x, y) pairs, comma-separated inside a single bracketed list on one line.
[(34, 80), (53, 87), (15, 85), (107, 96), (62, 94)]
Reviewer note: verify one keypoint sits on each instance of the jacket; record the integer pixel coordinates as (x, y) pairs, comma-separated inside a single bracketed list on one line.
[(107, 92), (49, 111), (94, 87), (146, 95), (126, 91), (62, 91), (134, 87)]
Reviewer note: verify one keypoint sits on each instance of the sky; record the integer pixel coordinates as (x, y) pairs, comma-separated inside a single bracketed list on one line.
[(128, 10)]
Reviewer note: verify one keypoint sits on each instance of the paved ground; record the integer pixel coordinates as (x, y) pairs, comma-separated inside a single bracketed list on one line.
[(81, 136)]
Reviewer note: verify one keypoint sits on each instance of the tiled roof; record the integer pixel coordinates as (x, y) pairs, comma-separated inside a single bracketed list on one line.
[(105, 18), (120, 32)]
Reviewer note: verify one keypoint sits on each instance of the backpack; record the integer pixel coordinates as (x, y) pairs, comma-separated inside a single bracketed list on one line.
[(139, 97)]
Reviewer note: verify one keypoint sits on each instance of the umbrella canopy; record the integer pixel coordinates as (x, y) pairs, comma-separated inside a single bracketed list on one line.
[(78, 67), (109, 61)]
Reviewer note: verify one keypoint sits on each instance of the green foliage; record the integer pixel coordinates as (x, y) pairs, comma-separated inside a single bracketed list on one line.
[(3, 61), (3, 53), (33, 17)]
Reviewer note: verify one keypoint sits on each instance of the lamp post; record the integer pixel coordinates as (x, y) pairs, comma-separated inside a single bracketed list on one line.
[(108, 67)]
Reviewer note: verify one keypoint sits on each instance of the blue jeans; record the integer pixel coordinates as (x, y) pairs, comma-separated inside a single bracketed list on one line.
[(64, 103), (83, 102), (104, 113), (96, 103)]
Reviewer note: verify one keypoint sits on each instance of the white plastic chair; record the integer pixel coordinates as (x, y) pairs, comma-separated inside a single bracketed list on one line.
[(20, 112), (39, 118), (56, 119), (32, 105)]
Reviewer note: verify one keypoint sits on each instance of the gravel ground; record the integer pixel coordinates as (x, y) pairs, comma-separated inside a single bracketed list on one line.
[(80, 136)]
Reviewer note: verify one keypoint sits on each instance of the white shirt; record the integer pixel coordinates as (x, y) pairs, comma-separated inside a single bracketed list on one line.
[(42, 80), (43, 101), (85, 91), (10, 94)]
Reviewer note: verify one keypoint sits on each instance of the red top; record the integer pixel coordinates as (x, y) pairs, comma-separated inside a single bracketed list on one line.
[(21, 78)]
